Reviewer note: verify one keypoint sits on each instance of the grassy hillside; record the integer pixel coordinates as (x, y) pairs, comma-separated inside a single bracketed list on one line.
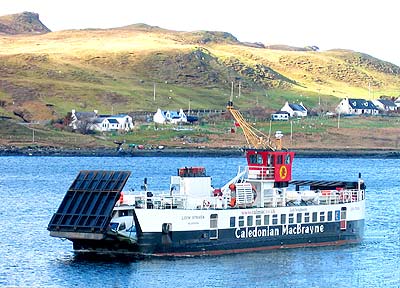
[(115, 70)]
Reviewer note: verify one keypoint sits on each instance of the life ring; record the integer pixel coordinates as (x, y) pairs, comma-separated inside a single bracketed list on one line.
[(206, 204), (121, 197)]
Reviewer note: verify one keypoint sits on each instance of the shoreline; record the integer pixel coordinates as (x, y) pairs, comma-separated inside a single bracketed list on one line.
[(189, 152)]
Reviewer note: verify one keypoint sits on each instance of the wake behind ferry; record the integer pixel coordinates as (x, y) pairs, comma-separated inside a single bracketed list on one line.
[(260, 208)]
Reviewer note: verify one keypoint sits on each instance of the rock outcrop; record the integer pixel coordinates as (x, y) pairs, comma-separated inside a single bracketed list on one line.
[(22, 23)]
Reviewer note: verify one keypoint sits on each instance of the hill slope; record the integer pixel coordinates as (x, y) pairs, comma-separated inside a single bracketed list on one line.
[(115, 70)]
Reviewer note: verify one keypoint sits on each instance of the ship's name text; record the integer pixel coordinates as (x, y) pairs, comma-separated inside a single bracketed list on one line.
[(255, 232)]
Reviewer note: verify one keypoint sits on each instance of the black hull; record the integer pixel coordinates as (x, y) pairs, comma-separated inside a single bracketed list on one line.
[(192, 243)]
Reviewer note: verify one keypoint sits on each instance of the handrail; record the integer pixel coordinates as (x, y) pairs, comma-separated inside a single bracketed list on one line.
[(167, 201)]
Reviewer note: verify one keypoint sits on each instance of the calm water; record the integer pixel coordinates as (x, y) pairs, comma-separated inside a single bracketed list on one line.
[(32, 188)]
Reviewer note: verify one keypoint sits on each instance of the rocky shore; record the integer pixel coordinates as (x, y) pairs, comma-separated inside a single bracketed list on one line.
[(185, 152)]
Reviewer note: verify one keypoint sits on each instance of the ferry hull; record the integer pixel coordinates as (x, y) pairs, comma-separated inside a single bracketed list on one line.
[(193, 243)]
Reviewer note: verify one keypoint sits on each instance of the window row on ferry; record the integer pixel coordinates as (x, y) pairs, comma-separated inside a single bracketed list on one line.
[(283, 219)]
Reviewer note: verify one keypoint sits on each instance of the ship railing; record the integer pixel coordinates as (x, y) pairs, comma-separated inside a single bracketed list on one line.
[(340, 196), (167, 201), (313, 197), (259, 172), (159, 201)]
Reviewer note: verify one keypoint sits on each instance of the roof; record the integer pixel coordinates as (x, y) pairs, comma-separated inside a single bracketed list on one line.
[(325, 183), (297, 107), (113, 121), (85, 115), (387, 103), (361, 104), (120, 116)]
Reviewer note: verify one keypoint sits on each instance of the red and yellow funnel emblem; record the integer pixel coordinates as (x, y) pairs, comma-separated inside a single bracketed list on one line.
[(283, 172)]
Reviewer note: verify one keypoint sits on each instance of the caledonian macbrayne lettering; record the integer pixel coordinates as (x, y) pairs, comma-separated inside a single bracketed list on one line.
[(254, 232)]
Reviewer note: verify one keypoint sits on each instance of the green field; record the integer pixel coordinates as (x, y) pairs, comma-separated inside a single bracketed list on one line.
[(215, 132)]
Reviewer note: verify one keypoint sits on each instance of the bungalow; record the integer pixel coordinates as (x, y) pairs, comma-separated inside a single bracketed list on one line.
[(174, 117), (295, 110), (385, 105), (397, 103), (280, 116), (121, 122), (356, 107), (86, 121)]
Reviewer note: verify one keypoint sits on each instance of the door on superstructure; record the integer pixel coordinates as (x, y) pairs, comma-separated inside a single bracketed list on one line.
[(213, 226), (343, 223)]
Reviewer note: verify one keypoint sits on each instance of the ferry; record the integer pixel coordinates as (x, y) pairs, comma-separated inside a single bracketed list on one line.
[(261, 208)]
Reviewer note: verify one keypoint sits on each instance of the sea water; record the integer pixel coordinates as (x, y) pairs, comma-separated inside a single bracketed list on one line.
[(31, 189)]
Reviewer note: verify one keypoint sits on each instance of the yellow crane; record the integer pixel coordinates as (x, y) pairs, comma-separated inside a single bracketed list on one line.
[(254, 137)]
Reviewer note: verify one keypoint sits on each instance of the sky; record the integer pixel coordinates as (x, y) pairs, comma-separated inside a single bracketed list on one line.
[(369, 26)]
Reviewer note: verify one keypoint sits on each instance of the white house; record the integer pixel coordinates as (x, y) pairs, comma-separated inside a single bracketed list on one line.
[(121, 122), (174, 117), (295, 110), (93, 121), (385, 105), (280, 116), (397, 103), (356, 107), (159, 117)]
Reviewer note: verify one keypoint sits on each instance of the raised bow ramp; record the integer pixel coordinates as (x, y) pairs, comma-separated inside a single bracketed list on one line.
[(86, 210)]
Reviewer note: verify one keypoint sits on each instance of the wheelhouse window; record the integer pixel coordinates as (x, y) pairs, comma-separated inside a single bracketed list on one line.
[(270, 160), (287, 159), (256, 159), (279, 160)]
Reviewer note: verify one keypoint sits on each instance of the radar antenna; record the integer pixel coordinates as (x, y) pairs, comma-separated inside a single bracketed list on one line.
[(254, 137)]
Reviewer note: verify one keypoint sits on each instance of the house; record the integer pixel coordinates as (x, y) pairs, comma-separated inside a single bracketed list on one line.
[(77, 118), (174, 117), (295, 110), (120, 122), (397, 103), (86, 121), (280, 116), (159, 117), (356, 107), (385, 105)]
